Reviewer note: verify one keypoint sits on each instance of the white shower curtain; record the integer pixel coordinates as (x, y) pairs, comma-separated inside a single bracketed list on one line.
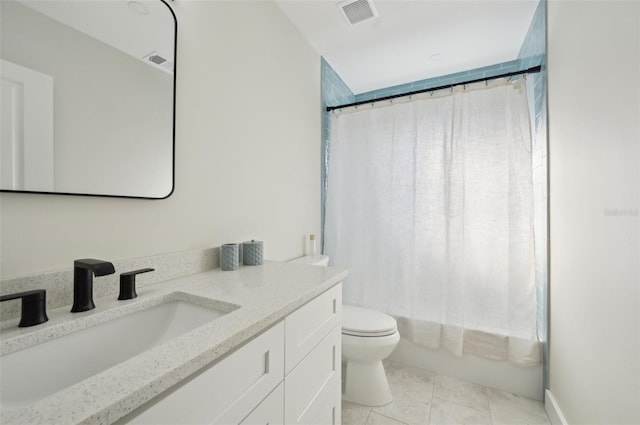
[(429, 205)]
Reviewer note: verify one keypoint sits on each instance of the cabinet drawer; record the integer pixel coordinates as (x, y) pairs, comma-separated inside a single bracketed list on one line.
[(270, 411), (307, 326), (225, 392), (312, 389)]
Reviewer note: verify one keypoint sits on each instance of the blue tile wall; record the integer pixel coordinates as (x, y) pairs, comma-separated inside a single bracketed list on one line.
[(533, 50), (532, 53), (487, 71), (333, 92)]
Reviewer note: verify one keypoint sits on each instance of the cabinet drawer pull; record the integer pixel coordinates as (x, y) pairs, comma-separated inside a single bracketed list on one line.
[(266, 362), (334, 358)]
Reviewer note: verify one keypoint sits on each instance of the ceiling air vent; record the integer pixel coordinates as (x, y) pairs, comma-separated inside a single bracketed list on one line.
[(358, 11), (159, 62)]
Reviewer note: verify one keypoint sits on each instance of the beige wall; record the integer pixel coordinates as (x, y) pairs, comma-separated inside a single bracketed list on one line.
[(594, 137), (247, 154)]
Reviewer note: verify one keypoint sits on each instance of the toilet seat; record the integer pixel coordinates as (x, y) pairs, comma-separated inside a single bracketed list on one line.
[(362, 322)]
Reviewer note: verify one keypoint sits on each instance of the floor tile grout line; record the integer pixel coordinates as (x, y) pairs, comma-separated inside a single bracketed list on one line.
[(368, 414), (490, 409), (389, 417), (433, 390), (458, 403)]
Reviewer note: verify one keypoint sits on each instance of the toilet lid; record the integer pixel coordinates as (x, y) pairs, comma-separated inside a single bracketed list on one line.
[(359, 321)]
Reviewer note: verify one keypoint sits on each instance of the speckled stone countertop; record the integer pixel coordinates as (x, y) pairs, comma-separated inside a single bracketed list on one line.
[(265, 294)]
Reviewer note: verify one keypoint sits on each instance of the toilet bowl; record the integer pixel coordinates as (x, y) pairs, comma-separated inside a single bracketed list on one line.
[(368, 337)]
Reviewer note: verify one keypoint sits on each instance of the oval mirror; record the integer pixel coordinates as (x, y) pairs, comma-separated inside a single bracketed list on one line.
[(88, 97)]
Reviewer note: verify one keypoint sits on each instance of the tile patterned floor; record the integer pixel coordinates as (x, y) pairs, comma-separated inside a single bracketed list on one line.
[(421, 397)]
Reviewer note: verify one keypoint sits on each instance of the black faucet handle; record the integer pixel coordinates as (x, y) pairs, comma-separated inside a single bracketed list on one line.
[(34, 305), (128, 283)]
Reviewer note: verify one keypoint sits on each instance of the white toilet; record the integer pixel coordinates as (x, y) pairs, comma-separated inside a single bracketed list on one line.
[(368, 337)]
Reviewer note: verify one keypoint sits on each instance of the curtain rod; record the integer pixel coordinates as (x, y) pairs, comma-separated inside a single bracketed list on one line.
[(532, 70)]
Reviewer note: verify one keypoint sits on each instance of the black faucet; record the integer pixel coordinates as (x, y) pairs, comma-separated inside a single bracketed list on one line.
[(33, 306), (83, 271)]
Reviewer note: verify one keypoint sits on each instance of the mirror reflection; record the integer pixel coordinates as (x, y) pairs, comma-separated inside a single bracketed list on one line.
[(87, 97)]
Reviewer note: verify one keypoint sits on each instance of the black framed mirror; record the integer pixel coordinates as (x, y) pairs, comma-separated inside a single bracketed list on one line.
[(88, 97)]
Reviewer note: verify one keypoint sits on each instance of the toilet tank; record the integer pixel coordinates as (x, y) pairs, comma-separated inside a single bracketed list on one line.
[(313, 260)]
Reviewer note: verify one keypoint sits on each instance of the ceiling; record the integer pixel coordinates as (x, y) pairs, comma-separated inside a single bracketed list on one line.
[(412, 40)]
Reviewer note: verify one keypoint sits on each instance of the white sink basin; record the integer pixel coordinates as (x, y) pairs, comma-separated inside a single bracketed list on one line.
[(36, 372)]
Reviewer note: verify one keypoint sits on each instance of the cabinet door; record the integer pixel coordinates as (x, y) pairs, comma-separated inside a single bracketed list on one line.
[(308, 325), (270, 411), (312, 388), (224, 393), (327, 407)]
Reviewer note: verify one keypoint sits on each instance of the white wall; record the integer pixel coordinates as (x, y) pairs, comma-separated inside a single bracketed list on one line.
[(247, 154), (594, 136)]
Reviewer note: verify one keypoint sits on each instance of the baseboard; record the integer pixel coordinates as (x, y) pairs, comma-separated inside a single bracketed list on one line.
[(553, 409)]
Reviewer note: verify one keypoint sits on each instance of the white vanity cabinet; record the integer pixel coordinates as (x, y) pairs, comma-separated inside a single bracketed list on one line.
[(289, 374), (312, 385), (224, 393)]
